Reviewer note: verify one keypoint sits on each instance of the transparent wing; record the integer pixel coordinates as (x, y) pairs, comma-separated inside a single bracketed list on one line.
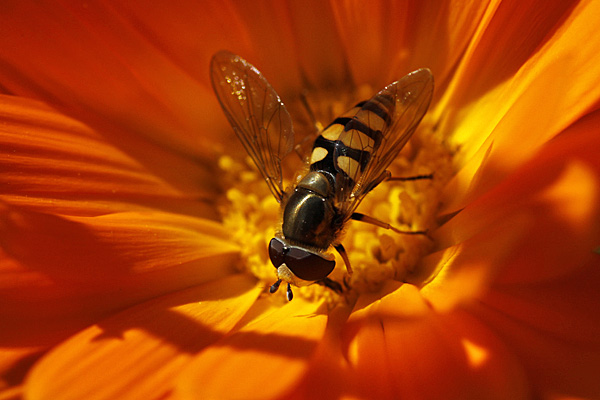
[(392, 116), (256, 113)]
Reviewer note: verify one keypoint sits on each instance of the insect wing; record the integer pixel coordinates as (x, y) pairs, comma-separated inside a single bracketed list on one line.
[(256, 113), (378, 132)]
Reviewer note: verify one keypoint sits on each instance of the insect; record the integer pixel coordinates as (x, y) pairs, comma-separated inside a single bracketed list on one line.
[(349, 159)]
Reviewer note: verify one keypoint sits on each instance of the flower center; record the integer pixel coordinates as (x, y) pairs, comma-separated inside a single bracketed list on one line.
[(376, 254)]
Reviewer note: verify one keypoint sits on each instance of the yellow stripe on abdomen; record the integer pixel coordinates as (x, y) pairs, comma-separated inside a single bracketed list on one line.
[(349, 165), (355, 139), (372, 120), (333, 132), (318, 154)]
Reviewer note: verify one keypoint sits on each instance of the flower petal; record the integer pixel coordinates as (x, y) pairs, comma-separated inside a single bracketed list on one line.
[(400, 352), (386, 39), (98, 64), (263, 359), (60, 274), (298, 47), (138, 353), (14, 364), (328, 375), (52, 163), (512, 96), (553, 328), (525, 263), (266, 39), (544, 214), (317, 41)]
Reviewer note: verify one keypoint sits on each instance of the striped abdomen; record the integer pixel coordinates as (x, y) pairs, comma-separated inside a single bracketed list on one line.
[(346, 145)]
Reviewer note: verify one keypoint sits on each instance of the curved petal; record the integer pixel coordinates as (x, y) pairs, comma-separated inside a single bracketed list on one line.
[(137, 353), (52, 163), (508, 37), (329, 375), (525, 263), (14, 364), (60, 274), (267, 40), (385, 40), (553, 328), (512, 96), (295, 45), (401, 349), (98, 63), (320, 55), (264, 358), (541, 222)]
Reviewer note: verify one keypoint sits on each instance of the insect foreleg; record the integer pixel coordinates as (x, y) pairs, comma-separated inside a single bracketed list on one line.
[(331, 284), (301, 148), (340, 249), (374, 221), (313, 119)]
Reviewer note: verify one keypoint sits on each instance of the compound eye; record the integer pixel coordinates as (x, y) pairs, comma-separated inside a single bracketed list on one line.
[(308, 266), (276, 248)]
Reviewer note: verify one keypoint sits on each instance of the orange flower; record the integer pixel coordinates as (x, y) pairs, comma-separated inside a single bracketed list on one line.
[(133, 234)]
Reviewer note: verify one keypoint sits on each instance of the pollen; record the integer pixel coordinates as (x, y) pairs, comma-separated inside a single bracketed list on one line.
[(377, 255)]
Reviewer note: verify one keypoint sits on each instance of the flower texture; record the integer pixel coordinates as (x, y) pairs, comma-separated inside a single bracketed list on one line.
[(134, 229)]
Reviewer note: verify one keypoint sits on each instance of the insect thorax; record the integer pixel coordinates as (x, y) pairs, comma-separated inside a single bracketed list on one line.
[(309, 215)]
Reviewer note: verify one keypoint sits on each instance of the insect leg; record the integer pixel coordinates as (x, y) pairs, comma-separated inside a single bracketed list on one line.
[(386, 176), (331, 284), (374, 221), (409, 178), (340, 249), (301, 148), (317, 125), (290, 295)]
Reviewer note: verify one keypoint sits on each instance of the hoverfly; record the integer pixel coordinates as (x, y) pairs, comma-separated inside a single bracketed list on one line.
[(349, 159)]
